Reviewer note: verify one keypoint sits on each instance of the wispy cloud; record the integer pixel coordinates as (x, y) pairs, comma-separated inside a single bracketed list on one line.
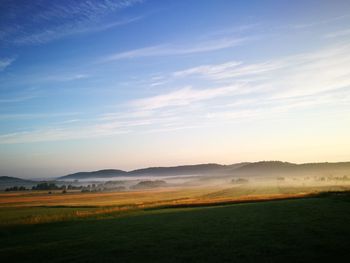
[(31, 116), (271, 107), (80, 129), (261, 89), (66, 77), (314, 72), (233, 91), (294, 75), (321, 22), (63, 31), (181, 97), (55, 134), (16, 99), (339, 33), (232, 69), (180, 49), (5, 62), (44, 77), (60, 19)]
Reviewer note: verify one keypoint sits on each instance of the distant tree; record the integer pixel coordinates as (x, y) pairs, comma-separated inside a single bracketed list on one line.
[(15, 188), (45, 186)]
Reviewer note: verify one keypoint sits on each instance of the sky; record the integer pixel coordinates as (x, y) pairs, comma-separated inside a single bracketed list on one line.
[(125, 84)]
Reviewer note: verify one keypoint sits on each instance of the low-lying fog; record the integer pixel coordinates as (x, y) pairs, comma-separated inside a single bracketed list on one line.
[(130, 183)]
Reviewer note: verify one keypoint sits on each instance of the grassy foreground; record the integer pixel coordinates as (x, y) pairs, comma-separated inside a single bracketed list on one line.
[(298, 230)]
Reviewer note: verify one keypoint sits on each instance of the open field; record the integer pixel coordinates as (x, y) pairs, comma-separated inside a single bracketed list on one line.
[(269, 220), (30, 207), (299, 230)]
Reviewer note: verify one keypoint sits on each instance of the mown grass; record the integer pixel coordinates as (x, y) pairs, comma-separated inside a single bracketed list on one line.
[(299, 230)]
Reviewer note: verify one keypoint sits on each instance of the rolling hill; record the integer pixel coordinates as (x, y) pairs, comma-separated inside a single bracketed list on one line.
[(240, 169), (107, 173), (274, 168), (7, 181)]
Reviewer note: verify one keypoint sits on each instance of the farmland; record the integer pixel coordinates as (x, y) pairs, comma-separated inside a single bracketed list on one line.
[(270, 218), (283, 230), (30, 207)]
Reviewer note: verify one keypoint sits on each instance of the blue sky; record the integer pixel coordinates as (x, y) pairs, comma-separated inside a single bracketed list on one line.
[(125, 84)]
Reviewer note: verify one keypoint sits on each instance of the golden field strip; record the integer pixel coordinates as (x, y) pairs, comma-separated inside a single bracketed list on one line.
[(31, 207), (165, 195)]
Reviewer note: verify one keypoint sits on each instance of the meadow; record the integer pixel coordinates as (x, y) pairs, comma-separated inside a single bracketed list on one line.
[(296, 230), (32, 207), (271, 220)]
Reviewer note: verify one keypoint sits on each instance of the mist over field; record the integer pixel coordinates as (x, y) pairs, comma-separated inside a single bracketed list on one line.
[(180, 185), (215, 174)]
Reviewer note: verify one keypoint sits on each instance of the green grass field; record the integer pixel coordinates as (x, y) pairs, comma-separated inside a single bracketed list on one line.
[(300, 230)]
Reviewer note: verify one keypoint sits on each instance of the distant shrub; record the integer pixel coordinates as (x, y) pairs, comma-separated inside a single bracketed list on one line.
[(15, 188), (45, 186), (341, 178)]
